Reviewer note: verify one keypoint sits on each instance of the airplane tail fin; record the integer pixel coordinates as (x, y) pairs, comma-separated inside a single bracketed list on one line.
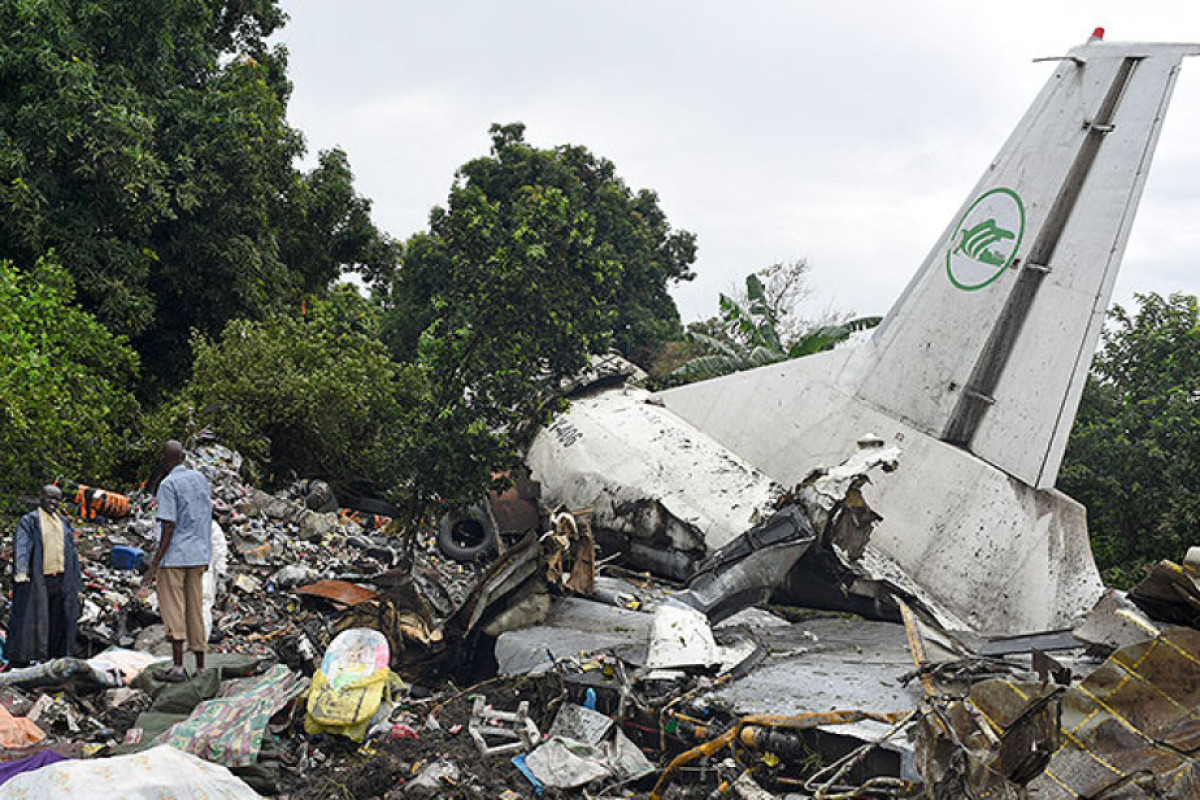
[(989, 346)]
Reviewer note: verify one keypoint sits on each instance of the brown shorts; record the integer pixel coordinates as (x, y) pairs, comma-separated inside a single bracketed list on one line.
[(181, 602)]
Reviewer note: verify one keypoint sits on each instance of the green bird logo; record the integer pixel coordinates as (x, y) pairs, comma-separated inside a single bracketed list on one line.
[(977, 242)]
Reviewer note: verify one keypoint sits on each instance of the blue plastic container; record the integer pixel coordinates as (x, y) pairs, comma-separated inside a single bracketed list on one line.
[(127, 557)]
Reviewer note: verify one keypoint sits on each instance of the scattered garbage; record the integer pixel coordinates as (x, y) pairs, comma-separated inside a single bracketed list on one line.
[(547, 665), (433, 779), (585, 746)]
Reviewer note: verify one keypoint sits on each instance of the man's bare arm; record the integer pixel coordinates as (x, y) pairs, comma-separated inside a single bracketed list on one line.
[(168, 530)]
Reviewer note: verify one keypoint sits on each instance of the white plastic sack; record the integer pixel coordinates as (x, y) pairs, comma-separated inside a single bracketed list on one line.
[(118, 666), (218, 568), (154, 774)]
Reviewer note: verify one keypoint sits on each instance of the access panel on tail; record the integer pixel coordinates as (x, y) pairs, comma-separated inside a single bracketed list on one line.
[(989, 346)]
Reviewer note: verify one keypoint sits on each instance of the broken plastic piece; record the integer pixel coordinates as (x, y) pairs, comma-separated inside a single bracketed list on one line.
[(515, 729), (539, 788), (125, 557)]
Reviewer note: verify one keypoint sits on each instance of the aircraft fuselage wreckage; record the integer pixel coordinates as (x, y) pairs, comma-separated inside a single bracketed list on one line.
[(975, 375)]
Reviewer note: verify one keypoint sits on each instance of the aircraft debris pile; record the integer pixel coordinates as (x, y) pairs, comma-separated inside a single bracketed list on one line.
[(540, 673)]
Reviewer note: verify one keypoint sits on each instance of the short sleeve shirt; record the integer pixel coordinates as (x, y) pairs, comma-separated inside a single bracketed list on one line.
[(184, 498)]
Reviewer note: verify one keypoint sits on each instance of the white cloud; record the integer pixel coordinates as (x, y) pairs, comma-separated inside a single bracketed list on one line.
[(773, 129)]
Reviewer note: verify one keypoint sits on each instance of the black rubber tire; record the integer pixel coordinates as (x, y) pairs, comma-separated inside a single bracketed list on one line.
[(465, 536), (321, 498)]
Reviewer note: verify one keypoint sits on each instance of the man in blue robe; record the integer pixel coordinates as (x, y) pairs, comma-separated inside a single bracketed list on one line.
[(46, 582)]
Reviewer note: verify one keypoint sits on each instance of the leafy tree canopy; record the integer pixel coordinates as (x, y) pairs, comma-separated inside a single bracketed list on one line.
[(631, 250), (65, 399), (146, 142), (309, 391), (1134, 454), (520, 295), (761, 327)]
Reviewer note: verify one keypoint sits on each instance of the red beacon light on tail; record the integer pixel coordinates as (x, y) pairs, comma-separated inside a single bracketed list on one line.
[(1097, 36)]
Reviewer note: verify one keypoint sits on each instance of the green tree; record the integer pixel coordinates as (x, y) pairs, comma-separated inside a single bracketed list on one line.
[(65, 381), (326, 227), (311, 391), (318, 393), (147, 143), (747, 332), (1134, 453), (626, 230), (522, 295)]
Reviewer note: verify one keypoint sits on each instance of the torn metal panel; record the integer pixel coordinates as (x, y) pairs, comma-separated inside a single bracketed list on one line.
[(990, 743), (1170, 592), (1049, 640), (988, 740), (522, 564), (745, 572), (682, 637), (1115, 622), (515, 509), (1132, 727), (832, 498), (572, 564), (651, 478), (844, 663), (575, 626)]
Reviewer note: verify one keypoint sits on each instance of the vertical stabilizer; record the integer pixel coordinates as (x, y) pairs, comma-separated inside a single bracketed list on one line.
[(989, 346), (977, 371)]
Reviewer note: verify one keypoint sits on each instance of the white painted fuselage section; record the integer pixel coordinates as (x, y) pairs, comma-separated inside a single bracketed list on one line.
[(989, 552), (977, 371)]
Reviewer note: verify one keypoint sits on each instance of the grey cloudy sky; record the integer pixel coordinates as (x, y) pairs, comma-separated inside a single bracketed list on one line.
[(844, 133)]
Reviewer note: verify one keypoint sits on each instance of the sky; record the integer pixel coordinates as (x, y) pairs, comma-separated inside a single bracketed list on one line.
[(846, 134)]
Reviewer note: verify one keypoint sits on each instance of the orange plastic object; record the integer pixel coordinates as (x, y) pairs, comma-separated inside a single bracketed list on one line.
[(101, 503)]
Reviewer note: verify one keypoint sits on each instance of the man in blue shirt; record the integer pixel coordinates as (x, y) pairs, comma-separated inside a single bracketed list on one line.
[(184, 551)]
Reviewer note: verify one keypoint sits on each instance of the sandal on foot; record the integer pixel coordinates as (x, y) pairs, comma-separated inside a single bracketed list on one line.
[(172, 675)]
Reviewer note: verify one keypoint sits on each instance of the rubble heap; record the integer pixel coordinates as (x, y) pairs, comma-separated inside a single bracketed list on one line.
[(350, 660)]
